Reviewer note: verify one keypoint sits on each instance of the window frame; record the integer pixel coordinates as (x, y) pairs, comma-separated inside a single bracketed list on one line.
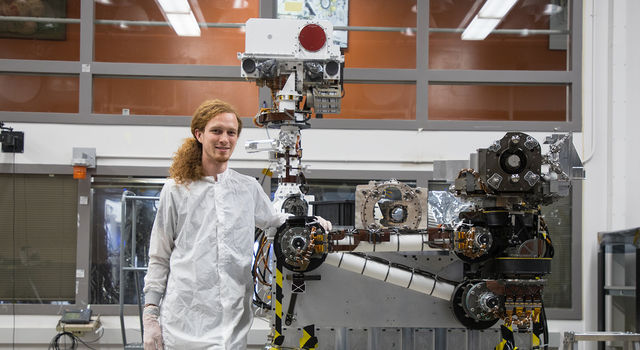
[(83, 258), (86, 69)]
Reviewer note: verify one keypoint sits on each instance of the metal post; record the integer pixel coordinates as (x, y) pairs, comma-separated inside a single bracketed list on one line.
[(600, 302), (134, 234), (473, 339), (341, 339), (123, 215), (440, 338), (408, 342), (374, 334), (637, 290)]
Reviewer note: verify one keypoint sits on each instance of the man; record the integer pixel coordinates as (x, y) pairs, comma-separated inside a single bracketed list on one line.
[(202, 241)]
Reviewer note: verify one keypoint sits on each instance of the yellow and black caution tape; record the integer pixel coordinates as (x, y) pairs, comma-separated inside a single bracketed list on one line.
[(535, 334), (308, 341), (278, 338), (508, 341)]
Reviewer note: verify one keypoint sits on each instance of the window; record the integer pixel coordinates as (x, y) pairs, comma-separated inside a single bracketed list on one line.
[(39, 93), (562, 294), (107, 230), (534, 35), (407, 70), (38, 238), (136, 31), (168, 97), (35, 40), (498, 102)]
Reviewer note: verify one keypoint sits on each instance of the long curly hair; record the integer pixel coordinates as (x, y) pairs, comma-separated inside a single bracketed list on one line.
[(187, 161)]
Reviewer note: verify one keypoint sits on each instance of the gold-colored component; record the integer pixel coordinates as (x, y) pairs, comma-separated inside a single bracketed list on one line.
[(466, 244), (536, 315), (80, 329)]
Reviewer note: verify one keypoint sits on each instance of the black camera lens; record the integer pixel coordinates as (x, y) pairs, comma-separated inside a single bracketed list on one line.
[(249, 65), (332, 68)]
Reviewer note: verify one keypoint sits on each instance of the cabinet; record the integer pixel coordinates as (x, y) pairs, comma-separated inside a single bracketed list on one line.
[(619, 281)]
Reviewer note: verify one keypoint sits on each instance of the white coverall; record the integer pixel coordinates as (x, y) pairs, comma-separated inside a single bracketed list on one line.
[(201, 250)]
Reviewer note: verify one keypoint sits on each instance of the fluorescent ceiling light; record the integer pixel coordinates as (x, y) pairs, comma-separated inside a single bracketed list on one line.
[(184, 24), (487, 19), (175, 6), (180, 17), (479, 28), (496, 8), (552, 9)]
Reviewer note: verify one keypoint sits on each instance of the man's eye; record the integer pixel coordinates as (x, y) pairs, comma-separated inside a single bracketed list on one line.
[(216, 131), (232, 133)]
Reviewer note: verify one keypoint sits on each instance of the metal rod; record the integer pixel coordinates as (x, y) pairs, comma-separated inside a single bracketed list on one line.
[(123, 215), (637, 289), (136, 277), (603, 336), (39, 19), (165, 24), (292, 305), (600, 293), (242, 25), (506, 31), (143, 198), (126, 268), (134, 234)]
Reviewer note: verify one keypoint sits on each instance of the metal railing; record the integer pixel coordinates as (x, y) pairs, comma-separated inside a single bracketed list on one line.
[(132, 266), (631, 340)]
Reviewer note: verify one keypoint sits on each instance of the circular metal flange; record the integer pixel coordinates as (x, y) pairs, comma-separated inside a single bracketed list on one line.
[(296, 244), (459, 304), (398, 204)]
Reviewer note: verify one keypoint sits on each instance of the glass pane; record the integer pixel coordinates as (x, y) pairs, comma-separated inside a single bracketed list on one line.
[(498, 102), (558, 290), (35, 40), (334, 199), (33, 93), (367, 46), (106, 233), (169, 97), (372, 49), (137, 31), (378, 101), (534, 35), (38, 238)]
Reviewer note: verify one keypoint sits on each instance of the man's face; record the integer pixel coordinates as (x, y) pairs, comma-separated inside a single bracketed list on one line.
[(218, 138)]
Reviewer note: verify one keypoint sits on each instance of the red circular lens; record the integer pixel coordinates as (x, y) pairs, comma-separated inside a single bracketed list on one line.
[(312, 37)]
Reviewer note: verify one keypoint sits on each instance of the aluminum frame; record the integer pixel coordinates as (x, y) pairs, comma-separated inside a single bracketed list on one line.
[(86, 69), (84, 230)]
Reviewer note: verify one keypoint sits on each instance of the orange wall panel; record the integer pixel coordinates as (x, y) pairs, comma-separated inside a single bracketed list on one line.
[(491, 102), (37, 49), (169, 97), (31, 93), (378, 101)]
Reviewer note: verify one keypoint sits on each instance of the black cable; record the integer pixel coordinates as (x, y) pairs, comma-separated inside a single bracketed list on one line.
[(545, 329), (264, 176), (55, 342)]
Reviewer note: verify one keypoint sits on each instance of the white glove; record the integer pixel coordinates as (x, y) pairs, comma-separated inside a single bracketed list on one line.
[(326, 225), (152, 331)]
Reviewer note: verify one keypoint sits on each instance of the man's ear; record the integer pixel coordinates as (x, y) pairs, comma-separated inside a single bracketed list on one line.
[(198, 133)]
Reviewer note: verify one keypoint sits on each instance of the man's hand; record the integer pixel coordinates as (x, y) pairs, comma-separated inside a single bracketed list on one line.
[(152, 330), (326, 225)]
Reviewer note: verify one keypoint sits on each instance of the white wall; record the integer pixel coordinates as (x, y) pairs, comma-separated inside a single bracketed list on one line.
[(608, 144), (322, 149)]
